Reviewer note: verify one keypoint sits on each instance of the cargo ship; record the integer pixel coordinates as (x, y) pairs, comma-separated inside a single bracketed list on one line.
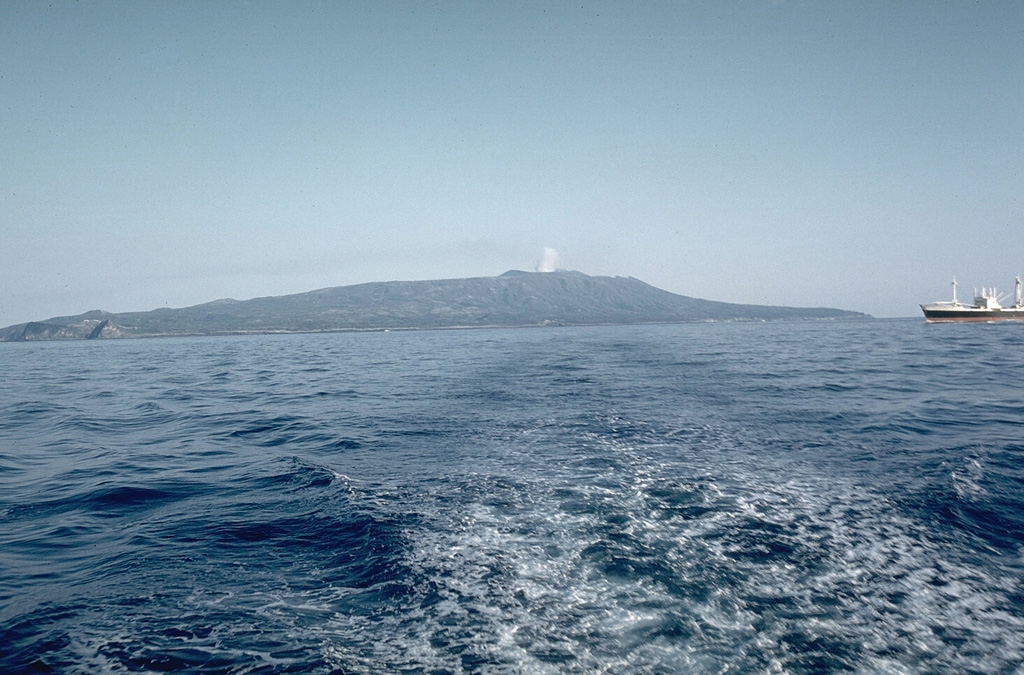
[(986, 307)]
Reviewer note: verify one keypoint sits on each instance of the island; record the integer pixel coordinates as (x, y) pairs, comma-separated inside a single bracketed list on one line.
[(513, 299)]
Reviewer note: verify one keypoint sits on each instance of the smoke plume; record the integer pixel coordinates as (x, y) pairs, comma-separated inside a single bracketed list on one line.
[(549, 261)]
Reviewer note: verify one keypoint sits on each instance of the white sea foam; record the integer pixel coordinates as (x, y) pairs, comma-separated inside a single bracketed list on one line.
[(617, 572)]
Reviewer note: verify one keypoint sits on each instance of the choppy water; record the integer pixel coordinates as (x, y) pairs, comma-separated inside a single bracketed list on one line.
[(792, 497)]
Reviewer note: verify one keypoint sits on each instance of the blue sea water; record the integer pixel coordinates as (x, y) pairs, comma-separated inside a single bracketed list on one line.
[(707, 498)]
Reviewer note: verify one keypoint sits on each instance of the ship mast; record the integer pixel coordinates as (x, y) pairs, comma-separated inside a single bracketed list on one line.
[(1016, 288), (954, 292)]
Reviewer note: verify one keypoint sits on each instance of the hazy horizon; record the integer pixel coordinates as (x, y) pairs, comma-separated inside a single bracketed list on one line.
[(846, 155)]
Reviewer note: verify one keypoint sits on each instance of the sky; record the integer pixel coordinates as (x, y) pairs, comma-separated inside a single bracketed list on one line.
[(844, 154)]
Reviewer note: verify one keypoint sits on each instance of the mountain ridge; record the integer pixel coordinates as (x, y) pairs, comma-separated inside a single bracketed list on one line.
[(512, 299)]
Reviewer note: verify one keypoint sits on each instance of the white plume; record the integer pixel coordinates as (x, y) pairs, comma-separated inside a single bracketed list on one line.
[(549, 261)]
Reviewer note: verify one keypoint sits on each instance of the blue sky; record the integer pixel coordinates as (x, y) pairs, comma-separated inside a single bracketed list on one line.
[(845, 154)]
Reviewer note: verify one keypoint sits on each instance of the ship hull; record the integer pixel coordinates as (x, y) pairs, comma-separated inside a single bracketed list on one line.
[(966, 315)]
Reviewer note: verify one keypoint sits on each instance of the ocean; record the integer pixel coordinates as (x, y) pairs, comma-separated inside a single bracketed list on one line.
[(794, 497)]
